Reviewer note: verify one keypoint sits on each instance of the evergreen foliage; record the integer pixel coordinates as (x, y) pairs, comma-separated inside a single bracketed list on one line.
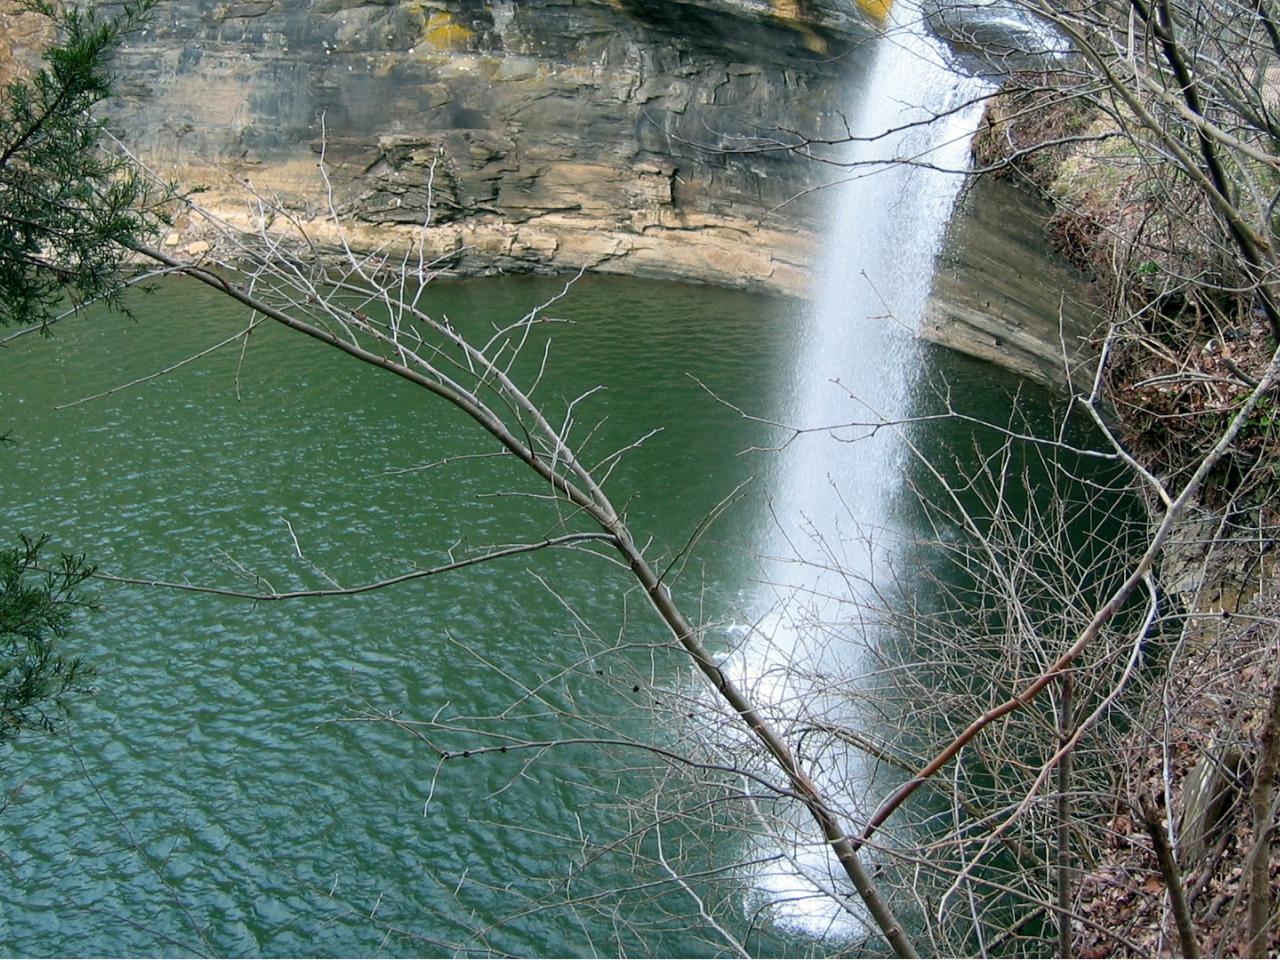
[(36, 608), (70, 210)]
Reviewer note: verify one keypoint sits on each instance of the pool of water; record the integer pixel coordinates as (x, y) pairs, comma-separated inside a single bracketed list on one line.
[(248, 777)]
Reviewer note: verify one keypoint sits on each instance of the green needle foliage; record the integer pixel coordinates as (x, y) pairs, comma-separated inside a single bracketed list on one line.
[(37, 605), (70, 210)]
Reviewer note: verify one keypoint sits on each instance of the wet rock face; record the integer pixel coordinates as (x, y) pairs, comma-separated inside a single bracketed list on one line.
[(995, 36), (629, 136), (528, 134)]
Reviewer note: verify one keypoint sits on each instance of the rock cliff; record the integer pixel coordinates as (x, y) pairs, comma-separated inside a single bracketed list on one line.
[(659, 138), (632, 135)]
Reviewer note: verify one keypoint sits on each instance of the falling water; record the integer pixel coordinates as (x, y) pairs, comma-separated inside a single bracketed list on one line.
[(912, 119)]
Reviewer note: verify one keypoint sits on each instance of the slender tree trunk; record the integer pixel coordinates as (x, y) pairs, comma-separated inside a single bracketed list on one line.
[(1066, 724), (1172, 876), (1262, 802)]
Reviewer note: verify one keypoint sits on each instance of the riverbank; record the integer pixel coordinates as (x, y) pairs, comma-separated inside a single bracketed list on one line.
[(689, 141), (1186, 341), (1000, 294)]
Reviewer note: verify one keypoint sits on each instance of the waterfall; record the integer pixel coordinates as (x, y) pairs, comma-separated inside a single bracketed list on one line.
[(912, 118)]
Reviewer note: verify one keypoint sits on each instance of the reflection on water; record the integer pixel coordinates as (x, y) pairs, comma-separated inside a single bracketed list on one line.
[(217, 794), (263, 826)]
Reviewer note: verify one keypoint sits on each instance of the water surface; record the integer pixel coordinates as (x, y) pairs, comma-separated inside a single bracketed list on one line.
[(227, 789)]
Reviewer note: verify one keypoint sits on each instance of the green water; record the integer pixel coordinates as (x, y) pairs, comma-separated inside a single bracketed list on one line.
[(227, 789)]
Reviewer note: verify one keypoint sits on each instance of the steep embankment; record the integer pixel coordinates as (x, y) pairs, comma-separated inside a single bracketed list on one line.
[(636, 137), (1189, 342), (658, 139)]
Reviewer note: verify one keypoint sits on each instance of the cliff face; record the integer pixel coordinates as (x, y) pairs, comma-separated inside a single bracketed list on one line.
[(650, 137), (533, 135)]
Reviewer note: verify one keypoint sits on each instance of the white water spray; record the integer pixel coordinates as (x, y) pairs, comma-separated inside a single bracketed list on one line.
[(912, 119)]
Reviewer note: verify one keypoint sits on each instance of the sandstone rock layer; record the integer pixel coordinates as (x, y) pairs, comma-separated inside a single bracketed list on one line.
[(636, 136), (660, 138)]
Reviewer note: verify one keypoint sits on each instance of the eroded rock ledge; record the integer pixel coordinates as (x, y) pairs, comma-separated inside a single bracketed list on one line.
[(657, 138), (633, 136)]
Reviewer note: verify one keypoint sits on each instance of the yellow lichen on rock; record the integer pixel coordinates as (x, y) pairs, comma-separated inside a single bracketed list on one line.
[(875, 9), (788, 11), (442, 32)]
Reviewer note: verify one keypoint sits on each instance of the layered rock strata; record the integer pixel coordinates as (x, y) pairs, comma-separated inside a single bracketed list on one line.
[(660, 138), (641, 137)]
